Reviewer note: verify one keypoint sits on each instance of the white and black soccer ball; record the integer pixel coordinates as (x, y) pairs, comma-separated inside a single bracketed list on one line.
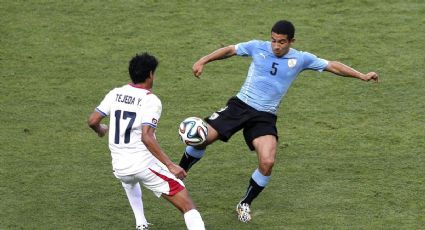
[(193, 131)]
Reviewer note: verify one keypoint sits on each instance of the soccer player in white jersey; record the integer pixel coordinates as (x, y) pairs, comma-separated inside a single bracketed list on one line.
[(274, 66), (137, 157)]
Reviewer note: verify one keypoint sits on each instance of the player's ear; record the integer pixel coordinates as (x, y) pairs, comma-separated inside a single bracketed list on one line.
[(151, 74), (292, 40)]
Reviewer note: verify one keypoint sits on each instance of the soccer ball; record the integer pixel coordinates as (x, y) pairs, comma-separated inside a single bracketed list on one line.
[(193, 131)]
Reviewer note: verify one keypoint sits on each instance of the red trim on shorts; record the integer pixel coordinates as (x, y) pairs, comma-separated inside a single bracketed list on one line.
[(175, 186)]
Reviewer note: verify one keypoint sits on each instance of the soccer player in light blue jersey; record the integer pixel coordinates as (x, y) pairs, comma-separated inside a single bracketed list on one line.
[(275, 65)]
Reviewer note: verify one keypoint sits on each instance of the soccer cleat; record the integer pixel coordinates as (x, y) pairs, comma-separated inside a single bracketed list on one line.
[(142, 227), (243, 211)]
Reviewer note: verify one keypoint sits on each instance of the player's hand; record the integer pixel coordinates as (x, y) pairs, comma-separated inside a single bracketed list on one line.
[(197, 68), (103, 129), (371, 76), (177, 171)]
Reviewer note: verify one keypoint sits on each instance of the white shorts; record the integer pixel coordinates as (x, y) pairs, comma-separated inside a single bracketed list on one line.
[(156, 178)]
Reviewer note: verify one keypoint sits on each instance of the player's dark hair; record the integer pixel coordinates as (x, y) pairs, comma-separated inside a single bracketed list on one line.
[(140, 66), (284, 27)]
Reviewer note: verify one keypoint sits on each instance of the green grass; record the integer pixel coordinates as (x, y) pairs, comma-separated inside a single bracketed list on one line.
[(351, 154)]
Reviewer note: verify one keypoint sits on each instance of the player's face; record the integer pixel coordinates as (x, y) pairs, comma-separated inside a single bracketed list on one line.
[(280, 44)]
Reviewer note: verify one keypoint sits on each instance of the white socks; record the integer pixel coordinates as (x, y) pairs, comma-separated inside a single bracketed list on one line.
[(193, 220), (134, 195)]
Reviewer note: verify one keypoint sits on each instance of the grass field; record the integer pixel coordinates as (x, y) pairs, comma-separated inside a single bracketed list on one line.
[(351, 154)]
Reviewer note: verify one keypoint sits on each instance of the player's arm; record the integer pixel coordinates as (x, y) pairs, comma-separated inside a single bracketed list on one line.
[(341, 69), (94, 123), (148, 138), (222, 53)]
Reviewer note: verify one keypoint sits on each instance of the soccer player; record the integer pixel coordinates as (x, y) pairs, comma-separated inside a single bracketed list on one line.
[(274, 66), (137, 157)]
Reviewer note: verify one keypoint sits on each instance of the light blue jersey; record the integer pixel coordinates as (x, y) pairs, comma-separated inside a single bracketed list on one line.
[(269, 76)]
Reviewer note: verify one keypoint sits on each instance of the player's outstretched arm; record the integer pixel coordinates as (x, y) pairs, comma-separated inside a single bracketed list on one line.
[(341, 69), (149, 140), (222, 53), (94, 123)]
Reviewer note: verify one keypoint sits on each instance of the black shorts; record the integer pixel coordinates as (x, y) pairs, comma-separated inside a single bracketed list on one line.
[(238, 115)]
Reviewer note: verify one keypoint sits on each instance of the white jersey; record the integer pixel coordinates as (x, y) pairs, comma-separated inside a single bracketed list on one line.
[(130, 108)]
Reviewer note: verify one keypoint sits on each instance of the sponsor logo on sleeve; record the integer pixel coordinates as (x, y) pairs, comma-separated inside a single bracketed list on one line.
[(154, 121)]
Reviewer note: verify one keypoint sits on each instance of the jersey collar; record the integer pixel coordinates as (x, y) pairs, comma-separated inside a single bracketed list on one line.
[(291, 54), (138, 86)]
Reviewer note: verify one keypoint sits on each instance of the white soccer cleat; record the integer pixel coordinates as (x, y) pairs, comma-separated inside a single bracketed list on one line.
[(142, 227), (244, 212)]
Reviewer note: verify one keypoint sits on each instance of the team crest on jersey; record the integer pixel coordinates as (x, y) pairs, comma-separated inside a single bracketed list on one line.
[(292, 62)]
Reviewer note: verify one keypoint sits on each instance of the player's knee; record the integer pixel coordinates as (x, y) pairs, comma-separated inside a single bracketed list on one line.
[(267, 163)]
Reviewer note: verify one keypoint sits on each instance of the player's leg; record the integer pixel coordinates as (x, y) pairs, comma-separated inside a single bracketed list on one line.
[(163, 183), (221, 125), (134, 195), (265, 147), (193, 154), (260, 134), (184, 203)]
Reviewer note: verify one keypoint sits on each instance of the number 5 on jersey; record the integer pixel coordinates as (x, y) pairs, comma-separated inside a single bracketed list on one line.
[(274, 68)]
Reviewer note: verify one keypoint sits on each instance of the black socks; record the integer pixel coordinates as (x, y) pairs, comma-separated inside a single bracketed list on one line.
[(187, 161), (252, 192)]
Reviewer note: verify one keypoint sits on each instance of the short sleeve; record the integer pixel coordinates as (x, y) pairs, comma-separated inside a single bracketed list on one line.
[(105, 105), (151, 110), (246, 48), (312, 62)]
